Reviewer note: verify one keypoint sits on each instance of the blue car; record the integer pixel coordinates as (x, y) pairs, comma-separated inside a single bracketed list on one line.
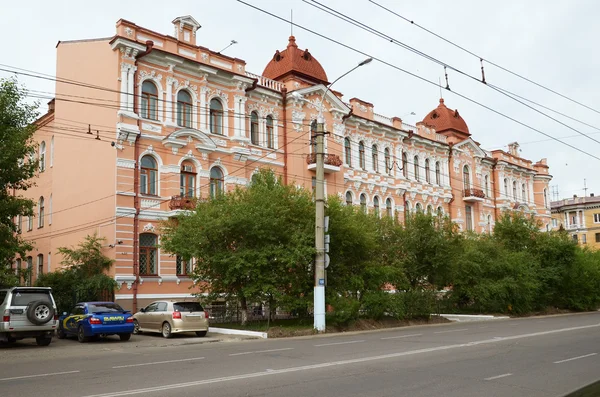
[(95, 319)]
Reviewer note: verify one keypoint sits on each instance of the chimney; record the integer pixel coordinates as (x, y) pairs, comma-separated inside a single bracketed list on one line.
[(185, 29), (51, 105)]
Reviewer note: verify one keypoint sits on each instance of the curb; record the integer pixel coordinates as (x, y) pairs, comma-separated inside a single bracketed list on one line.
[(471, 317), (228, 331)]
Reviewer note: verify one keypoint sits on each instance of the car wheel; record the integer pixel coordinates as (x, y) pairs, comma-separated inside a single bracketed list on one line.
[(43, 340), (201, 334), (60, 334), (11, 340), (166, 330), (136, 327), (125, 337), (81, 335)]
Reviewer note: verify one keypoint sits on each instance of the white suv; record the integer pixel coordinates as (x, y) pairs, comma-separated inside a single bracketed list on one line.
[(27, 312)]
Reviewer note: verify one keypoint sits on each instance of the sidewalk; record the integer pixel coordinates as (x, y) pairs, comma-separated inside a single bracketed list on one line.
[(156, 340)]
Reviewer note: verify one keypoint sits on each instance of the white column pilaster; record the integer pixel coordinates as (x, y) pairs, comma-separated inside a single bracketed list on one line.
[(124, 74), (204, 111), (131, 89)]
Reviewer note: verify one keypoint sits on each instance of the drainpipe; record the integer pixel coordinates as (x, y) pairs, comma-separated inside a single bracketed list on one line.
[(494, 189), (136, 184), (450, 179), (285, 142)]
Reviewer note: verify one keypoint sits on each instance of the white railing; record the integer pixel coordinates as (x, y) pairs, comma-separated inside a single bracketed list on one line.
[(441, 138), (383, 119), (265, 82), (408, 127)]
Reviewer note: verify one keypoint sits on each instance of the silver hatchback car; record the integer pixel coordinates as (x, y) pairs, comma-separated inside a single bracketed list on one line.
[(170, 317)]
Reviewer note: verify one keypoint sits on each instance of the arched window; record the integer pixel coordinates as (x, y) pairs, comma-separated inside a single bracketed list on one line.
[(486, 182), (523, 193), (187, 180), (514, 190), (42, 156), (148, 254), (363, 203), (489, 223), (183, 266), (216, 182), (506, 187), (270, 134), (388, 161), (361, 155), (184, 109), (419, 208), (150, 100), (466, 178), (29, 223), (375, 158), (429, 209), (20, 223), (348, 152), (438, 175), (348, 198), (216, 116), (389, 211), (40, 265), (52, 151), (30, 269), (545, 198), (416, 167), (50, 210), (41, 212), (376, 205), (440, 211), (254, 128), (427, 171), (406, 209), (404, 165), (148, 176)]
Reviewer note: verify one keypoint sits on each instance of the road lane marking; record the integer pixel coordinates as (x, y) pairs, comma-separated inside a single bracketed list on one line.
[(35, 376), (262, 351), (575, 358), (159, 362), (497, 376), (170, 387), (452, 330), (340, 343), (401, 336)]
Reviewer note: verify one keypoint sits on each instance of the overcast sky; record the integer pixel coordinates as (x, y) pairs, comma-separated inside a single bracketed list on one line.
[(550, 42)]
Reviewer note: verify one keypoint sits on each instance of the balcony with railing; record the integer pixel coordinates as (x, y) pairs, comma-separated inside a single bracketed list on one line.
[(332, 162), (183, 203), (473, 195), (265, 82)]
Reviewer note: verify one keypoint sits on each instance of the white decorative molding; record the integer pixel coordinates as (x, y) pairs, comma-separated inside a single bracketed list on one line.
[(125, 163), (152, 74), (298, 119), (129, 31), (151, 127), (204, 56), (128, 53), (146, 203), (362, 108), (220, 63), (149, 227), (187, 84), (220, 142), (157, 43), (240, 68), (187, 53), (256, 152)]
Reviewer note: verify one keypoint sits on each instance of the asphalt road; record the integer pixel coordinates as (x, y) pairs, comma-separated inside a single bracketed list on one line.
[(542, 356)]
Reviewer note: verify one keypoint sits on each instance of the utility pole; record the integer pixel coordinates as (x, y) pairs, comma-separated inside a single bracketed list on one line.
[(319, 290)]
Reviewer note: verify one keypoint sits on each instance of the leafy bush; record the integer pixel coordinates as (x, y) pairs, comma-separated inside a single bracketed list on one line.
[(345, 311)]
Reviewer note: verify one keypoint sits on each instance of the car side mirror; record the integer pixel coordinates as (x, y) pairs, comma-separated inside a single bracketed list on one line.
[(64, 313)]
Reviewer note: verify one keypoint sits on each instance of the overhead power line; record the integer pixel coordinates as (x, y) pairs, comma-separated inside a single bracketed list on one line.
[(434, 83), (484, 59)]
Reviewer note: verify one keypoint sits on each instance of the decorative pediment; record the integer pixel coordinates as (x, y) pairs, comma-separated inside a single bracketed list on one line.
[(471, 147), (182, 137), (317, 91)]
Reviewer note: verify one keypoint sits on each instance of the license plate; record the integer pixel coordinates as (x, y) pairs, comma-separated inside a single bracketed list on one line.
[(16, 311)]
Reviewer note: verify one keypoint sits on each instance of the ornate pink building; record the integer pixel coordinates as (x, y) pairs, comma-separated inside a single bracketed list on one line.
[(145, 123)]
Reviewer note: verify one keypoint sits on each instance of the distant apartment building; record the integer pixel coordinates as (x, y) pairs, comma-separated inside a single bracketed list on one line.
[(580, 217), (143, 124)]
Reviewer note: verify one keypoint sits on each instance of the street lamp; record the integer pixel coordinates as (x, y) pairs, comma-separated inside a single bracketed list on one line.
[(319, 290)]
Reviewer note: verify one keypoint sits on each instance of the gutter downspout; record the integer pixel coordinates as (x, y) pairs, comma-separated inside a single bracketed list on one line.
[(494, 189), (285, 142), (136, 184), (450, 180)]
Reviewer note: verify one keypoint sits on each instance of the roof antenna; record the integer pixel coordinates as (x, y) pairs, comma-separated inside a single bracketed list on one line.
[(291, 22), (482, 71), (440, 85), (230, 44), (446, 74)]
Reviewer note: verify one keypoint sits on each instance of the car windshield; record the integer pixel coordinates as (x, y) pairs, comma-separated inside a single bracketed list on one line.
[(188, 307), (25, 297), (104, 308)]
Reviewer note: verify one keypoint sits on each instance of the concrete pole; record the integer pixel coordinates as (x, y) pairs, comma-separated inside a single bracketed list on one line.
[(319, 292)]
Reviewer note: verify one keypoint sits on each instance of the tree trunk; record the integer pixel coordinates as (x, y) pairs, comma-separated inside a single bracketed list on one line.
[(244, 305)]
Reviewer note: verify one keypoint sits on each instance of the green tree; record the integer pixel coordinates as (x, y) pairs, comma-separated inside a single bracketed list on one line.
[(16, 145), (82, 277), (255, 244)]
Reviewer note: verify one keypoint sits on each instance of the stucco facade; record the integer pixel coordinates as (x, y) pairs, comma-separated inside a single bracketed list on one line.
[(143, 124), (580, 217)]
